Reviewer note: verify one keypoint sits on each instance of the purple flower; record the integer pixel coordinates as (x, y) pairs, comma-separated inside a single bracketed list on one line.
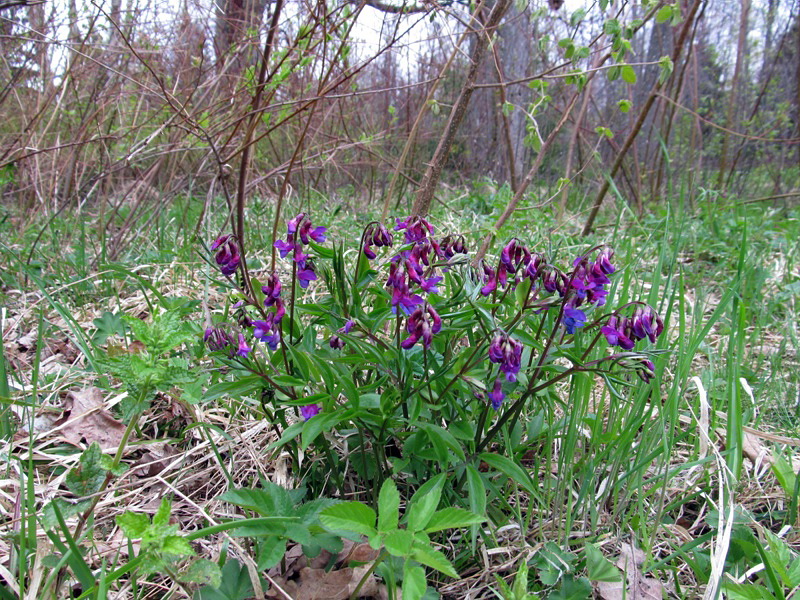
[(573, 318), (310, 410), (422, 323), (291, 224), (280, 310), (305, 275), (416, 228), (429, 285), (243, 349), (534, 266), (646, 324), (507, 352), (263, 331), (219, 241), (604, 261), (227, 256), (336, 342), (496, 395), (646, 370), (616, 332), (272, 290), (317, 234), (368, 252), (284, 247), (553, 281), (348, 325), (489, 279)]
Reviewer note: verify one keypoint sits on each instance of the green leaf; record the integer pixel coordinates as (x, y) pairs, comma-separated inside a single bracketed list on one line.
[(177, 546), (746, 591), (161, 518), (202, 571), (432, 558), (399, 542), (440, 437), (350, 516), (235, 584), (664, 13), (598, 567), (414, 584), (271, 550), (388, 506), (134, 525), (89, 474), (628, 74), (424, 503), (624, 105), (320, 423), (452, 518), (510, 469), (270, 501)]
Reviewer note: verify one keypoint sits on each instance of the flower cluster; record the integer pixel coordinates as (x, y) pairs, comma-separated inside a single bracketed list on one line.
[(302, 228), (227, 256), (375, 234), (506, 352), (626, 331), (586, 285), (516, 260), (219, 340), (422, 323)]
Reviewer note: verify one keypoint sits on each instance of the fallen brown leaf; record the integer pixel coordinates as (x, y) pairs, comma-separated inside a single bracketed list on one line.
[(86, 420), (636, 585)]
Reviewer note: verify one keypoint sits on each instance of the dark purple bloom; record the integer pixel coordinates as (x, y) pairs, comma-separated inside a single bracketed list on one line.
[(291, 224), (243, 349), (336, 342), (429, 285), (646, 370), (646, 324), (423, 323), (616, 334), (317, 233), (369, 252), (348, 325), (489, 279), (416, 228), (310, 410), (227, 256), (507, 352), (305, 275), (553, 281), (272, 290), (534, 266), (573, 319), (263, 331), (284, 247), (217, 339), (604, 261), (496, 395), (280, 310), (219, 241)]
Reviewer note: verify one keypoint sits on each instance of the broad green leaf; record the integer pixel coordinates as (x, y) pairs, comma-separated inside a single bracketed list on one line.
[(452, 518), (320, 423), (388, 506), (349, 516), (441, 437), (414, 583), (628, 74), (134, 525), (434, 559), (598, 567), (664, 13), (271, 501), (271, 550), (202, 571), (511, 469), (89, 474), (424, 503), (235, 584), (399, 542), (177, 546), (746, 591)]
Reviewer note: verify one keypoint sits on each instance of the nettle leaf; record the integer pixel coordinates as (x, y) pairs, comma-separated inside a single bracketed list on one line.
[(161, 518), (234, 585), (388, 506), (89, 474), (272, 500), (177, 546), (350, 516), (134, 525)]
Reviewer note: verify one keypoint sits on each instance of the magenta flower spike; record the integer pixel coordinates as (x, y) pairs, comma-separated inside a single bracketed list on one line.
[(496, 395)]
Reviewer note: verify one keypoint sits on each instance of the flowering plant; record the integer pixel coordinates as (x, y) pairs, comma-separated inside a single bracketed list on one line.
[(426, 356)]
